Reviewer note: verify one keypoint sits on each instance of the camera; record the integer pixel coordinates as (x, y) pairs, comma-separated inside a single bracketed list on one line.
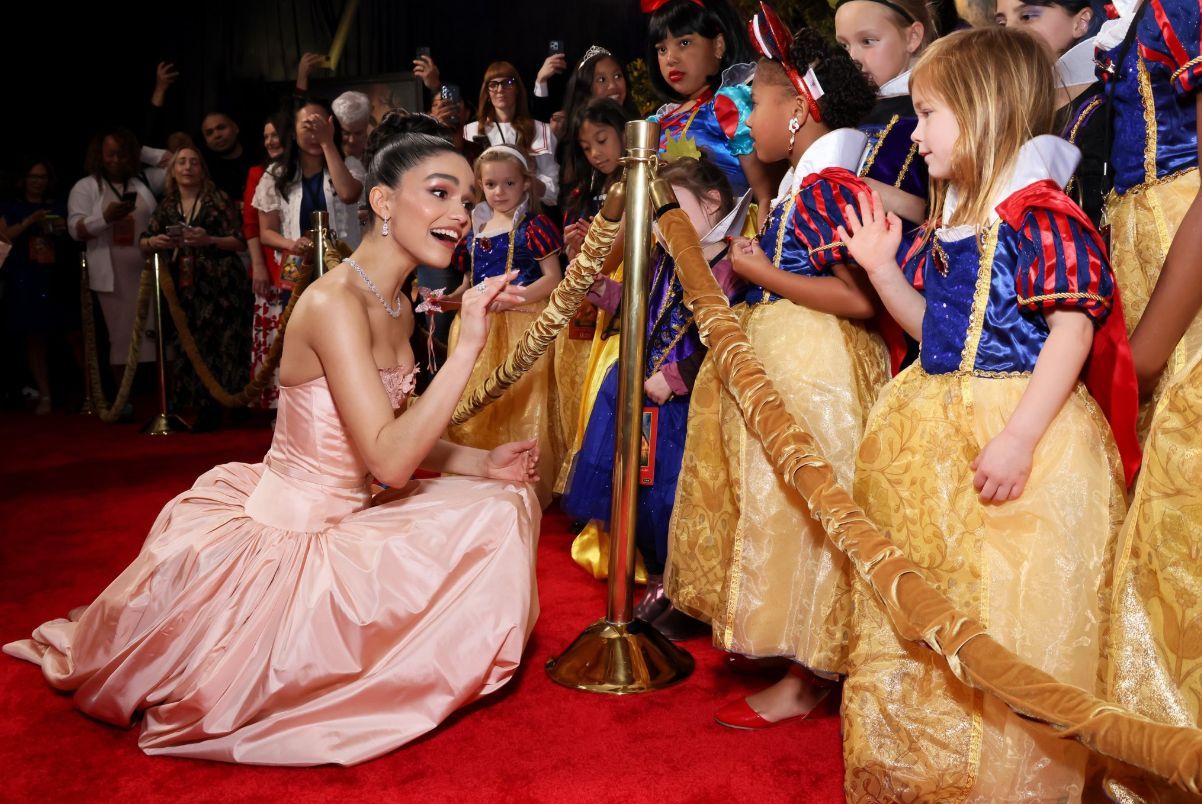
[(423, 52), (555, 47)]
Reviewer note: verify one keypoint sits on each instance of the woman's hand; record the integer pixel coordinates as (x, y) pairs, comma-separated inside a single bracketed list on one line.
[(322, 128), (473, 315), (657, 389), (306, 65), (36, 217), (197, 236), (425, 69), (117, 210), (260, 279), (160, 242), (552, 65), (517, 460), (1003, 467), (875, 235)]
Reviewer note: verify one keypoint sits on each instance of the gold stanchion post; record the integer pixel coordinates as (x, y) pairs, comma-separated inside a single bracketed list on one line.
[(617, 654), (163, 423), (85, 297), (321, 241)]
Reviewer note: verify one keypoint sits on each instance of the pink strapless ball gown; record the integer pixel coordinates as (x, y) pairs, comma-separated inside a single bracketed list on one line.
[(276, 616)]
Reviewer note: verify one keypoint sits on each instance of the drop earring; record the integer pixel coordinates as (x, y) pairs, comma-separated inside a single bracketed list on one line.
[(384, 230), (794, 127)]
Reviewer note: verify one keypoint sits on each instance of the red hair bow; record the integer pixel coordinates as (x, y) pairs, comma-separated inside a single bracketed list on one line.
[(773, 40), (651, 6)]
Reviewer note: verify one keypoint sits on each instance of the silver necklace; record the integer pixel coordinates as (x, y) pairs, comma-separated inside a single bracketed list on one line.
[(394, 312)]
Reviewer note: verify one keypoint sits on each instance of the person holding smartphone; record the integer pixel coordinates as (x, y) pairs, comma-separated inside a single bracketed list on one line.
[(106, 209)]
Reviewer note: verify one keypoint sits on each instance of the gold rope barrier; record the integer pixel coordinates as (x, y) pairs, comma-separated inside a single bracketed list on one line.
[(262, 378), (919, 612), (100, 406), (561, 306)]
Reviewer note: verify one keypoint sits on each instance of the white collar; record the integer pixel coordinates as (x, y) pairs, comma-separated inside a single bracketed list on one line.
[(1076, 67), (482, 214), (732, 224), (842, 147), (1113, 32), (898, 85), (1044, 157)]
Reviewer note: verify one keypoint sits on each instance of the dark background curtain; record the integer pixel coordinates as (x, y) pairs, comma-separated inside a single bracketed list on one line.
[(73, 69)]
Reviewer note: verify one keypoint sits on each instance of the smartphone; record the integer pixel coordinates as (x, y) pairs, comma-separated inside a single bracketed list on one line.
[(423, 51), (129, 198), (555, 47), (450, 93), (175, 231), (481, 140)]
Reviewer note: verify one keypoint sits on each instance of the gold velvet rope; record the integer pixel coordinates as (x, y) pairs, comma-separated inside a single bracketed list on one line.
[(104, 411), (918, 610), (563, 303), (254, 389)]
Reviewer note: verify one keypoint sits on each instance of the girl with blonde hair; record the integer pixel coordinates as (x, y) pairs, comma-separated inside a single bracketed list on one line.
[(989, 462)]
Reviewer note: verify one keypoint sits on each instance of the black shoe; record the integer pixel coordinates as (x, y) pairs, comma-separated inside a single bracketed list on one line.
[(654, 602), (678, 626)]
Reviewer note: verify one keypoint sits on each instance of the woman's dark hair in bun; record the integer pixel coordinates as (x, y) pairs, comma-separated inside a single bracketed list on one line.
[(401, 141)]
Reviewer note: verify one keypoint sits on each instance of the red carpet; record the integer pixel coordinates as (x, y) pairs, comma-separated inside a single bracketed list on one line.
[(76, 499)]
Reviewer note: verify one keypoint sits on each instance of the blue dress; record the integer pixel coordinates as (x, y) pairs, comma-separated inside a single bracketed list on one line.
[(671, 338), (533, 238), (717, 126)]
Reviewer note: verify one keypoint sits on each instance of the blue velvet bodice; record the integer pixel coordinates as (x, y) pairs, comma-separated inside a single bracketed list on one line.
[(719, 128)]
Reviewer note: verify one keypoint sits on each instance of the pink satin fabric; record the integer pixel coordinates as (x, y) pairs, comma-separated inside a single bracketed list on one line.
[(275, 616)]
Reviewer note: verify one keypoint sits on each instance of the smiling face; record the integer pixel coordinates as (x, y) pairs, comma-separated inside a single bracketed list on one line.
[(608, 80), (601, 145), (686, 62), (187, 169), (1055, 25), (773, 104), (429, 209), (871, 35), (503, 184), (271, 141), (935, 134), (503, 93)]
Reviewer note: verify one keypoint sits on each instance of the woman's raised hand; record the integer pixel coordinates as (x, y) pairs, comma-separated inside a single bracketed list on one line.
[(875, 235), (478, 300)]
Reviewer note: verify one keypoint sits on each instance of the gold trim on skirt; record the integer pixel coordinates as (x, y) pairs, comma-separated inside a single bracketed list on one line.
[(1032, 570)]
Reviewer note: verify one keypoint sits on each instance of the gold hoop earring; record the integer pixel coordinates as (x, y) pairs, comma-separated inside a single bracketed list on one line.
[(794, 127)]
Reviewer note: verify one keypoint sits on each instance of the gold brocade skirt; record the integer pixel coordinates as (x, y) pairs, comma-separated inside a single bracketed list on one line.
[(524, 410), (1155, 644), (1032, 570), (744, 551), (571, 369), (1143, 222)]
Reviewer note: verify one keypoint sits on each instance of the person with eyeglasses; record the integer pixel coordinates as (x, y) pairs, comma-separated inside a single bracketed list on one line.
[(505, 119)]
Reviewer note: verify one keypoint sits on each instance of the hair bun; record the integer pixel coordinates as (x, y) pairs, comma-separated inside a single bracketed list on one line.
[(400, 123)]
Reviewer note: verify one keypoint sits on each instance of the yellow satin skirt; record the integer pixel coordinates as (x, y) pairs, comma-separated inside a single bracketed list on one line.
[(1032, 570), (524, 410), (1156, 631), (744, 551), (571, 363), (1143, 223)]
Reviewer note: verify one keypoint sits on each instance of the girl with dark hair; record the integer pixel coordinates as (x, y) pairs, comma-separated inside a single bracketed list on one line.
[(214, 290), (310, 175), (691, 46), (270, 295), (1068, 28), (504, 119), (747, 554), (278, 614)]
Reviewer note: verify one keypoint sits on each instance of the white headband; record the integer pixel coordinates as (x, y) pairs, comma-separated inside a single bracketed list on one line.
[(508, 149)]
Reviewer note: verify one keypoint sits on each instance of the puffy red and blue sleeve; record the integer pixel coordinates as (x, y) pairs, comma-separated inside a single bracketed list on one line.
[(542, 237), (819, 211), (1177, 48), (1062, 263)]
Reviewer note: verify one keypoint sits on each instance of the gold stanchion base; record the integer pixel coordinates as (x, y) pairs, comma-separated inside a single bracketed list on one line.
[(620, 660), (165, 424)]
